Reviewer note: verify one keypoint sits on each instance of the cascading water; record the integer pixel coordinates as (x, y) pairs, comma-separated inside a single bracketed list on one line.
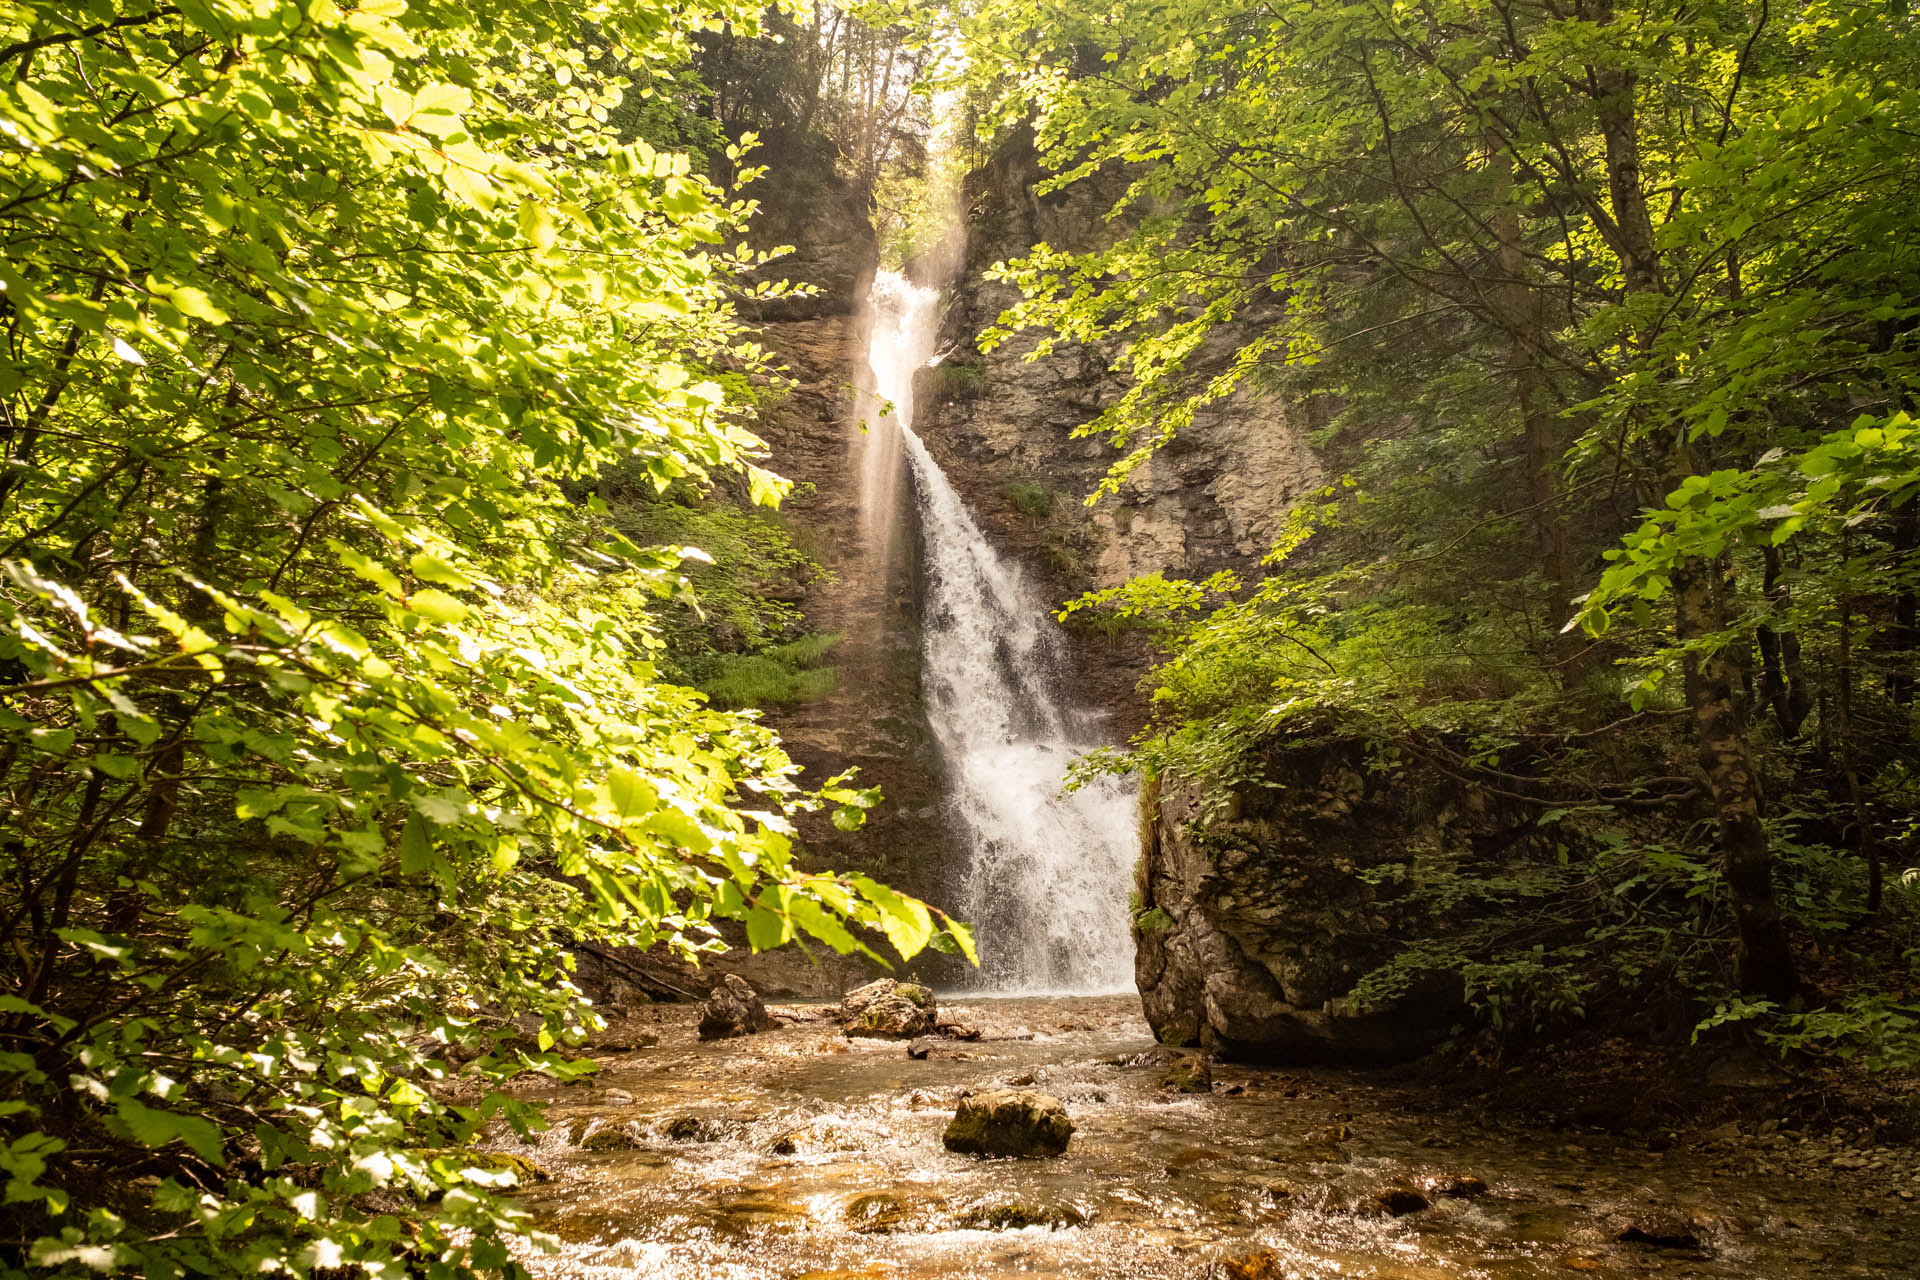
[(1046, 874)]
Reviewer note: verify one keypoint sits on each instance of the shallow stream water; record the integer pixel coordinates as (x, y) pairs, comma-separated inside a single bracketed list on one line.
[(800, 1153)]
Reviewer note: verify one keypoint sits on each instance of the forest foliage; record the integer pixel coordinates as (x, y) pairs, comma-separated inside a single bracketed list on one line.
[(1604, 315), (332, 707)]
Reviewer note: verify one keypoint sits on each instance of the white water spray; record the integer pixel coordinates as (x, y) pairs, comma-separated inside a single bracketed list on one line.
[(1046, 875)]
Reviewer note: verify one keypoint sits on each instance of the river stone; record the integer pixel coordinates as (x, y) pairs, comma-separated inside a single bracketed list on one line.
[(1009, 1122), (1401, 1201), (1015, 1215), (888, 1010), (1661, 1228), (1456, 1186), (614, 1137), (1190, 1073), (733, 1009)]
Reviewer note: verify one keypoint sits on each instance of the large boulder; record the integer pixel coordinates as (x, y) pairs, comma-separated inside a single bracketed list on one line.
[(1009, 1122), (1264, 908), (733, 1008), (889, 1010)]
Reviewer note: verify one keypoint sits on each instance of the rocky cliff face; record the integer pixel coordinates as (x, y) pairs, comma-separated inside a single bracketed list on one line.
[(1261, 907), (807, 206), (1002, 426)]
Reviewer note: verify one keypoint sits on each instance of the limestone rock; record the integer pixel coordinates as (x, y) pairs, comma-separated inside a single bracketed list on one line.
[(1009, 1122), (888, 1010), (733, 1008)]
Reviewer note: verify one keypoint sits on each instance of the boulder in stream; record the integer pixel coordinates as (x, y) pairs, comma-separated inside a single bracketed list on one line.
[(888, 1010), (1190, 1073), (1009, 1122), (733, 1008)]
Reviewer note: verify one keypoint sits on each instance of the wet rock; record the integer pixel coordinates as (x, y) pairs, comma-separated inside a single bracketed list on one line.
[(1264, 1265), (924, 1047), (1190, 1073), (787, 1143), (1013, 1215), (888, 1010), (617, 1098), (622, 994), (624, 1040), (1454, 1186), (692, 1129), (733, 1008), (613, 1137), (1659, 1228), (1009, 1122), (1276, 985), (1401, 1201), (878, 1213), (1022, 1080), (959, 1030)]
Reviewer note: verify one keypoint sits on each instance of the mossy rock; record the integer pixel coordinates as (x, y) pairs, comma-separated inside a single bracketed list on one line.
[(1190, 1073), (1009, 1122), (613, 1137)]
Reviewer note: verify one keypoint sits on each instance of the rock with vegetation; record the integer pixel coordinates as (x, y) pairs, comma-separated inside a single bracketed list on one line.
[(1279, 923), (1009, 1122), (613, 1137), (888, 1010), (733, 1008), (1190, 1073)]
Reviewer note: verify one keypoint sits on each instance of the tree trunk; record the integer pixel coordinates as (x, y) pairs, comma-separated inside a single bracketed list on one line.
[(1765, 961), (1519, 318)]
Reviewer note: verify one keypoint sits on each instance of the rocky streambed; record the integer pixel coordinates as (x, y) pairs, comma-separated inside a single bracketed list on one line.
[(802, 1152)]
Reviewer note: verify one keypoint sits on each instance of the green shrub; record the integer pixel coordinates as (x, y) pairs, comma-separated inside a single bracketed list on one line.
[(958, 379), (781, 676), (1035, 501)]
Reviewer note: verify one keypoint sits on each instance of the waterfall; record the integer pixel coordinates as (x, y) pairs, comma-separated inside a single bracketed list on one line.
[(1045, 874)]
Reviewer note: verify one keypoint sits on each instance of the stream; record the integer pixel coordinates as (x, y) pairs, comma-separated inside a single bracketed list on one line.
[(802, 1153)]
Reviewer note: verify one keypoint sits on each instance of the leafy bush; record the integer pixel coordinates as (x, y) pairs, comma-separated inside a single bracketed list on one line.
[(1034, 501), (332, 710), (777, 676), (957, 379)]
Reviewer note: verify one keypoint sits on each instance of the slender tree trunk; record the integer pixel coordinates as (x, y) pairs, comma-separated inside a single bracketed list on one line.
[(1788, 675), (1843, 734), (1765, 960), (1520, 319), (1904, 637)]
